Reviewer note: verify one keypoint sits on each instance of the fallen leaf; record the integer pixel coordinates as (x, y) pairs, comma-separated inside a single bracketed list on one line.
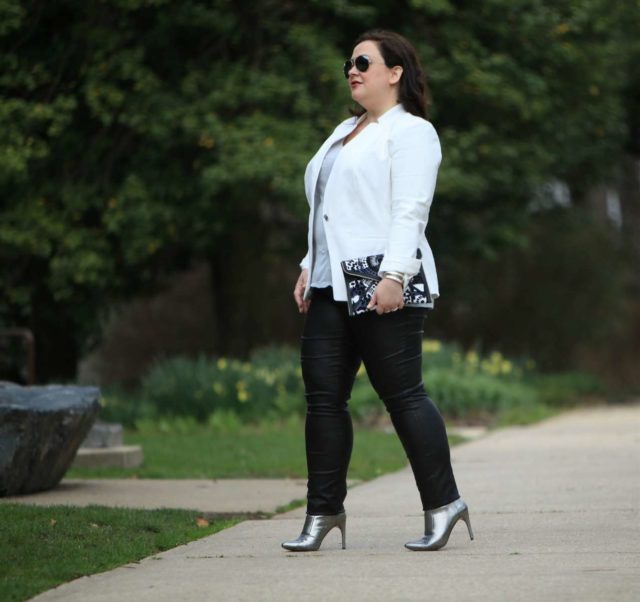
[(93, 525), (52, 522), (202, 522)]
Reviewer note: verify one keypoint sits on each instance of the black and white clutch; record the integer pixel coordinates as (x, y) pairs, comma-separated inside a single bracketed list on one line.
[(361, 278)]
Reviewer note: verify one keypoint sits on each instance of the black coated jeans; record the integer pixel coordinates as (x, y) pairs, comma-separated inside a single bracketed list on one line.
[(390, 345)]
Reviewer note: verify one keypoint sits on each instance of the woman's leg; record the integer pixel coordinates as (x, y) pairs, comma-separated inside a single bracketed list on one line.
[(329, 364), (391, 348)]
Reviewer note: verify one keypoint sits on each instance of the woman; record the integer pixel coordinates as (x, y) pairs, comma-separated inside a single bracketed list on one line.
[(370, 187)]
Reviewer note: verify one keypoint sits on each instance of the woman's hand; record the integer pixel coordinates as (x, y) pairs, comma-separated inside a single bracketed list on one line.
[(387, 297), (298, 292)]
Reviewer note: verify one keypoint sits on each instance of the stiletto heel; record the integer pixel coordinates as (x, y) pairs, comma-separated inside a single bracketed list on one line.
[(465, 518), (315, 530), (438, 524)]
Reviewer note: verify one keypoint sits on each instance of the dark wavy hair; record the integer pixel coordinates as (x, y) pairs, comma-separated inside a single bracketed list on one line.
[(397, 50)]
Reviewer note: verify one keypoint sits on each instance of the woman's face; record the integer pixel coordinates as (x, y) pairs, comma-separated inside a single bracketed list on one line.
[(375, 86)]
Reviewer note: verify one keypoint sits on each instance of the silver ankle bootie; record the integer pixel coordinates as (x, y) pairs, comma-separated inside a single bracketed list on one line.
[(438, 524), (314, 530)]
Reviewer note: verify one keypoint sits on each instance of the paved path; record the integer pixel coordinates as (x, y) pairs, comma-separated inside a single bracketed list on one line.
[(209, 496), (554, 508)]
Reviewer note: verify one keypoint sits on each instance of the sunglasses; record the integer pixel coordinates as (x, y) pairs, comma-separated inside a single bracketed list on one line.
[(361, 63)]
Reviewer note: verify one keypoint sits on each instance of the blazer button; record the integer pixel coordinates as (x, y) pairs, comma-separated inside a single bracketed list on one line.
[(326, 217)]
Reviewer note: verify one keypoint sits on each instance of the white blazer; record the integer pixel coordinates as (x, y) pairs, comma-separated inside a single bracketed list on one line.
[(378, 196)]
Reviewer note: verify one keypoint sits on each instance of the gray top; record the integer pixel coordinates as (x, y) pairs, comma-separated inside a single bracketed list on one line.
[(321, 270)]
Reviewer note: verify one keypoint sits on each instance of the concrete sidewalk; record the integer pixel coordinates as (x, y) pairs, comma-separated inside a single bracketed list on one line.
[(213, 497), (554, 508)]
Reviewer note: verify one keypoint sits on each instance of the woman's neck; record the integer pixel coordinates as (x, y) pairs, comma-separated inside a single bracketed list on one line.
[(374, 112)]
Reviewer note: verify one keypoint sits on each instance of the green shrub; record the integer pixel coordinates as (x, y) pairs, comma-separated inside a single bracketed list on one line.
[(565, 388), (228, 392), (460, 384), (200, 387), (118, 405), (457, 394)]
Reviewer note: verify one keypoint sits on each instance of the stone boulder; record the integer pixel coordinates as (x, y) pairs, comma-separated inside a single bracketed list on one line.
[(41, 429)]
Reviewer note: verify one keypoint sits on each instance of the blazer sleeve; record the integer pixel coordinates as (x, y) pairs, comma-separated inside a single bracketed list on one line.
[(415, 158)]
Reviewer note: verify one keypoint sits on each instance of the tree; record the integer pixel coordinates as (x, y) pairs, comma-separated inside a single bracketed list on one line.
[(138, 135), (141, 135)]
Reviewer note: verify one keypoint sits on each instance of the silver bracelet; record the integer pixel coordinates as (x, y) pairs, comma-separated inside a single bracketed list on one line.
[(396, 277)]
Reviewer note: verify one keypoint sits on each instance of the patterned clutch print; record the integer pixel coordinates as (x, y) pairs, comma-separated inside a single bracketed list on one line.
[(361, 277)]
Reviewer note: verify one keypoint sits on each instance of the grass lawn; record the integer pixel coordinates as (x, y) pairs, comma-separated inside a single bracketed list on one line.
[(45, 546), (269, 450)]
